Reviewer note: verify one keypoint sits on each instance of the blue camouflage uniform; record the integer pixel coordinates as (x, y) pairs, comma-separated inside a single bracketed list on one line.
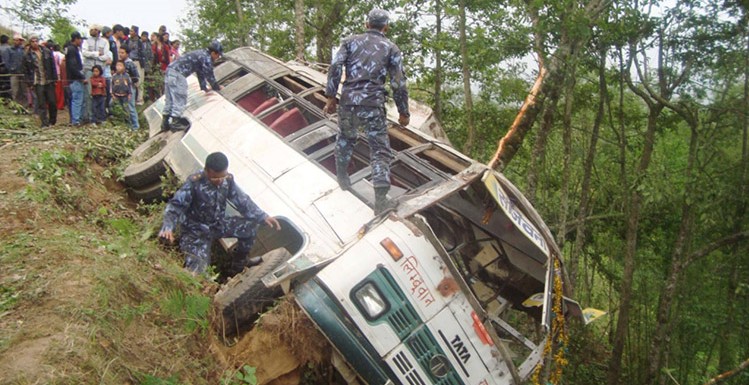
[(368, 58), (200, 207), (175, 82)]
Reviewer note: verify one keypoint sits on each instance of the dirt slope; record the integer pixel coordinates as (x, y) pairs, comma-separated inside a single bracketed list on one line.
[(87, 295)]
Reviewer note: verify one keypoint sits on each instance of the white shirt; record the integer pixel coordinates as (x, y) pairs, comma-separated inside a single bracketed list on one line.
[(94, 51)]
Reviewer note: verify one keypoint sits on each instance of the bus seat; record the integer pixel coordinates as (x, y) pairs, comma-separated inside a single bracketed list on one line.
[(265, 105), (290, 122)]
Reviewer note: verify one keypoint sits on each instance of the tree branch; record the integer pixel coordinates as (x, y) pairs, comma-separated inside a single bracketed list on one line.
[(729, 374), (725, 241)]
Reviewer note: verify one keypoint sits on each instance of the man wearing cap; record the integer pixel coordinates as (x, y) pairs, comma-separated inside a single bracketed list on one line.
[(114, 36), (95, 51), (13, 59), (39, 64), (76, 77), (199, 206), (368, 58), (200, 62)]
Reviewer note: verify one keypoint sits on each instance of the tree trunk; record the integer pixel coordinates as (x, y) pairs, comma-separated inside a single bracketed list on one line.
[(470, 129), (299, 29), (587, 173), (630, 249), (548, 80), (538, 154), (240, 18), (660, 339), (326, 22), (727, 355), (569, 100), (438, 60), (539, 146)]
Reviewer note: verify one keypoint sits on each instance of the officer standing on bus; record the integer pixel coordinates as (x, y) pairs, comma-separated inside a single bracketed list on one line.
[(369, 58), (200, 207), (199, 62)]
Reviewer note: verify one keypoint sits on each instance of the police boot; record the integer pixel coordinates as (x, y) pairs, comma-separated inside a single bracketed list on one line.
[(165, 123), (254, 261), (180, 124), (343, 179), (382, 203), (342, 175)]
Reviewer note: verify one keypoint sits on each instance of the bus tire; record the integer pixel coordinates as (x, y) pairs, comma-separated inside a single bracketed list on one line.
[(147, 160), (241, 299), (148, 194)]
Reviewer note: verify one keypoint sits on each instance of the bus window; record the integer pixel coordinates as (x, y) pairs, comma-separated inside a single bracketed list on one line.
[(259, 100), (287, 118), (233, 76)]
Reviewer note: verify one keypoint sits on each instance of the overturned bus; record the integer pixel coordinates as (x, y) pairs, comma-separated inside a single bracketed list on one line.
[(454, 286)]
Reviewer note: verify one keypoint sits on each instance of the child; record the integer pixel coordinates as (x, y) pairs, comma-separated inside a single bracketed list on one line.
[(132, 71), (98, 94), (122, 91)]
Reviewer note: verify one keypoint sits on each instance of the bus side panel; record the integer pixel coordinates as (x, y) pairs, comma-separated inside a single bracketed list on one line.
[(342, 333), (487, 352)]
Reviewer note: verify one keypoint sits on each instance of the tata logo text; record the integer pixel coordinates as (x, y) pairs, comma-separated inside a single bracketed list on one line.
[(460, 349)]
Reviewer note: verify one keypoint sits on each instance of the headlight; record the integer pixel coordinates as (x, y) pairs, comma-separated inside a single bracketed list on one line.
[(371, 301)]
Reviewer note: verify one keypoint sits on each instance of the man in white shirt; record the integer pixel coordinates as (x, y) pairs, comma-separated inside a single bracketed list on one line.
[(95, 50)]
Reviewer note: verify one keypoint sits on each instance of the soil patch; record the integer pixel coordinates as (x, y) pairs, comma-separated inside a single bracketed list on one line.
[(282, 344)]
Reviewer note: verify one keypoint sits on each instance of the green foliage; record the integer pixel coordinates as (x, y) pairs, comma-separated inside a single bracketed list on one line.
[(44, 13), (8, 298), (120, 113), (191, 310), (61, 29), (243, 376), (50, 173)]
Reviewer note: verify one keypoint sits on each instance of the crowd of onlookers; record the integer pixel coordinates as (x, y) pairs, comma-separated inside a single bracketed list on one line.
[(87, 75)]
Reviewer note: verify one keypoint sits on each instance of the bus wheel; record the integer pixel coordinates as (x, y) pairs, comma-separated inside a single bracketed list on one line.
[(147, 160), (239, 302)]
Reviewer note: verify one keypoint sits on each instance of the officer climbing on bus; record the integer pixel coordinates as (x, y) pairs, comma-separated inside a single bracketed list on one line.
[(199, 206), (199, 62), (369, 58)]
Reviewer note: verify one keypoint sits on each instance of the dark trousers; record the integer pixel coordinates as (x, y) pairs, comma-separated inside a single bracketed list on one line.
[(68, 101), (46, 104), (373, 121), (5, 84), (100, 113), (196, 242), (108, 103)]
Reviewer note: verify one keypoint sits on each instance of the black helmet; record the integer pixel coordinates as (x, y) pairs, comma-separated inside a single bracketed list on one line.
[(215, 46)]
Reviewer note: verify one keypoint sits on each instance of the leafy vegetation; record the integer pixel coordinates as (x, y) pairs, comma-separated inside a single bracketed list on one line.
[(243, 376), (85, 288), (633, 147)]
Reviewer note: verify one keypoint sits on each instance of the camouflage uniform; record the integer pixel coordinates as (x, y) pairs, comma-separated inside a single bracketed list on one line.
[(175, 82), (369, 58), (200, 207)]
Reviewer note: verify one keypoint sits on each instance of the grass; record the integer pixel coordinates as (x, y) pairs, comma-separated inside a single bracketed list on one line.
[(87, 295)]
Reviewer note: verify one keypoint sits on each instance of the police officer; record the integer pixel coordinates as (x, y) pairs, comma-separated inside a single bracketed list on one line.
[(200, 207), (199, 62), (368, 58)]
